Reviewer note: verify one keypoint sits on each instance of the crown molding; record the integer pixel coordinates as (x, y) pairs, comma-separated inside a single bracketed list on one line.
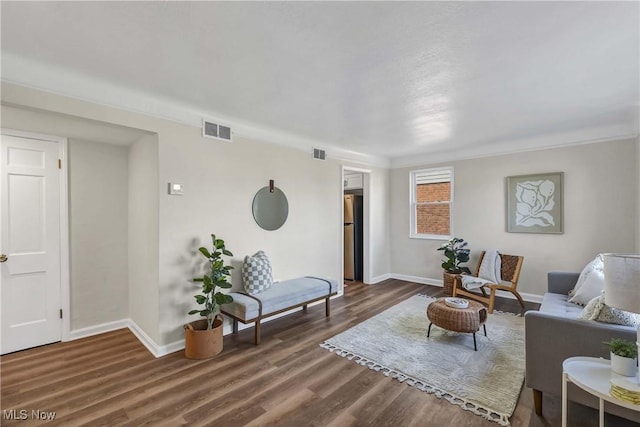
[(543, 142), (32, 74)]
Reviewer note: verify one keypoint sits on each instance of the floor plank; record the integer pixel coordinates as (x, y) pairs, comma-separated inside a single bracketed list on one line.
[(288, 380)]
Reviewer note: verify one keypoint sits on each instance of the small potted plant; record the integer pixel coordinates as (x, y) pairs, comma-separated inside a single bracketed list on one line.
[(203, 338), (624, 357), (456, 253)]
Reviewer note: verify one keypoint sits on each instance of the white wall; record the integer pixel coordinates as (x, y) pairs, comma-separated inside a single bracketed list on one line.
[(97, 217), (220, 180), (638, 194), (98, 232), (143, 292), (376, 184), (600, 200)]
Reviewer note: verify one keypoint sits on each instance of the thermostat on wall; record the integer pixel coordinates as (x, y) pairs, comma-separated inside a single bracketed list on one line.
[(175, 189)]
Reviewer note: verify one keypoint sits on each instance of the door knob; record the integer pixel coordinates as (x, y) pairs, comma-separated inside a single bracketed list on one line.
[(3, 258)]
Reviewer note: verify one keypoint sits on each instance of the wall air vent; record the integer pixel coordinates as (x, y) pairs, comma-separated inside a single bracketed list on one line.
[(319, 154), (216, 131)]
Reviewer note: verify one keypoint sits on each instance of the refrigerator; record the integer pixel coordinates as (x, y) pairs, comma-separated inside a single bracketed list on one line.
[(353, 246)]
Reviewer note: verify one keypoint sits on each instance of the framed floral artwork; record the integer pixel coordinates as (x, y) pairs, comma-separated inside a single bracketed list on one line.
[(534, 203)]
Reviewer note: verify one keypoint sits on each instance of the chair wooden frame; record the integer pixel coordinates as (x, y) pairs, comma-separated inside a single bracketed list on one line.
[(510, 271)]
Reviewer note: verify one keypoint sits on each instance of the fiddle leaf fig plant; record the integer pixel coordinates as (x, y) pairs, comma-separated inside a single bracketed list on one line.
[(456, 253), (211, 298)]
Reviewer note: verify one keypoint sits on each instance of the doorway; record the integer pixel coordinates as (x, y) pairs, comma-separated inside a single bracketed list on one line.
[(355, 195), (34, 246)]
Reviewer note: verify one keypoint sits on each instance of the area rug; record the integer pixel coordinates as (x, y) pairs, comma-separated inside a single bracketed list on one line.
[(394, 342)]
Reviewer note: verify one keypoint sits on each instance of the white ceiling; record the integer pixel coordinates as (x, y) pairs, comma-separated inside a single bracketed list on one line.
[(407, 81)]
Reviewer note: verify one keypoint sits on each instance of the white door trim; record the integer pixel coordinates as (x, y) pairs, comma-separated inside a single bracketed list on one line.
[(65, 288), (366, 219)]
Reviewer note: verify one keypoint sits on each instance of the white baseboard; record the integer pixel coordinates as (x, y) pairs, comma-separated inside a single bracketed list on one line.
[(145, 339), (98, 329), (438, 282), (162, 350), (379, 279), (417, 279)]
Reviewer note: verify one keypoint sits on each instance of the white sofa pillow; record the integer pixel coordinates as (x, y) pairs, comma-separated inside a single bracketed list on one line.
[(592, 287), (596, 265), (593, 308), (598, 310)]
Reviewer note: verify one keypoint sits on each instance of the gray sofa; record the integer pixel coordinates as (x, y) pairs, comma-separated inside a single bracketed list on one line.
[(555, 333)]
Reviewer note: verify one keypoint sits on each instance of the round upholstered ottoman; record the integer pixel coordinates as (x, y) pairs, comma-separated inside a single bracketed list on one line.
[(467, 320)]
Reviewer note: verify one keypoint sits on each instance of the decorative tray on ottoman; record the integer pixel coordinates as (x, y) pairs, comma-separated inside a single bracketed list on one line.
[(456, 302)]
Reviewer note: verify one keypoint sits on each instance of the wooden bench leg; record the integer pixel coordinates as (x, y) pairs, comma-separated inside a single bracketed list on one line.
[(235, 326), (256, 332), (537, 401), (328, 306)]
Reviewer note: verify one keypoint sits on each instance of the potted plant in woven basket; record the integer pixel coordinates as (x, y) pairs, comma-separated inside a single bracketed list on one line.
[(456, 253), (203, 338)]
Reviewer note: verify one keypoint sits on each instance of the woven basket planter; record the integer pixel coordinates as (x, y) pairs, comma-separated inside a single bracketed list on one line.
[(447, 283), (200, 342)]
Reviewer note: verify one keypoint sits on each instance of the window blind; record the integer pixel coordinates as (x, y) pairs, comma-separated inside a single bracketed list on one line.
[(432, 176)]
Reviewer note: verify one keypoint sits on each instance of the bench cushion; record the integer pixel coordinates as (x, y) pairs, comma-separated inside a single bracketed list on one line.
[(279, 296)]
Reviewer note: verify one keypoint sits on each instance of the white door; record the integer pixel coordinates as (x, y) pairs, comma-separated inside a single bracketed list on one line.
[(30, 241)]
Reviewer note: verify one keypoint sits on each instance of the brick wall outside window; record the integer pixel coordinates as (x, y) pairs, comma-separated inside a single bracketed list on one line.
[(438, 192), (433, 218)]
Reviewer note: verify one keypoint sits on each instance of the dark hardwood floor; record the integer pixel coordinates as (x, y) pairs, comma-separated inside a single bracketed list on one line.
[(288, 380)]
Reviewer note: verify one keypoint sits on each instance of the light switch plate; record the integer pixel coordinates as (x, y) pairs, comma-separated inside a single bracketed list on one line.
[(175, 189)]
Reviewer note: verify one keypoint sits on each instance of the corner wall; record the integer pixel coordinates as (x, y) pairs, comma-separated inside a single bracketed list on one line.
[(97, 219), (143, 292), (220, 180), (98, 233), (601, 192)]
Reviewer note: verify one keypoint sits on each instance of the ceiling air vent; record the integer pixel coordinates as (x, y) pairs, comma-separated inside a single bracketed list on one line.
[(216, 131), (319, 154)]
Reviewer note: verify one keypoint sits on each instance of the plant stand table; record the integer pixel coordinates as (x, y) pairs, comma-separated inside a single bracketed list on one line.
[(593, 375)]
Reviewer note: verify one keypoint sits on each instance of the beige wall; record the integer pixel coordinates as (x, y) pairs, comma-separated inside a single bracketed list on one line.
[(220, 180), (380, 241), (98, 233), (600, 200), (143, 292), (97, 219)]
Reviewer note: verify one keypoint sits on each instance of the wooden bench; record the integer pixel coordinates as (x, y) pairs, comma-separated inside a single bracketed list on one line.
[(280, 297)]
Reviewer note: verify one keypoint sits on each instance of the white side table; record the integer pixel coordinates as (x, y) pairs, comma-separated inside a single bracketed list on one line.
[(594, 376)]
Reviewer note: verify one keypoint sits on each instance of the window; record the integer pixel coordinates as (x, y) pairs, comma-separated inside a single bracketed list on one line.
[(431, 202)]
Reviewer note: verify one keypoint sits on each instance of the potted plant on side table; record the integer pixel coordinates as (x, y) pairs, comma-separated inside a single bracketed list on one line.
[(624, 357), (203, 338), (456, 253)]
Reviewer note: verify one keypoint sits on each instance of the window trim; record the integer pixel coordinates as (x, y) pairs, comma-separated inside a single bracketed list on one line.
[(413, 220)]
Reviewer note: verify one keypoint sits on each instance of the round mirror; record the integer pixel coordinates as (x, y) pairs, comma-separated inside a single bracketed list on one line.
[(270, 209)]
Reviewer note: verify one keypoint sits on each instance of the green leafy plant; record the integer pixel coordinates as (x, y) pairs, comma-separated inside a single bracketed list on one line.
[(456, 253), (623, 348), (216, 278)]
